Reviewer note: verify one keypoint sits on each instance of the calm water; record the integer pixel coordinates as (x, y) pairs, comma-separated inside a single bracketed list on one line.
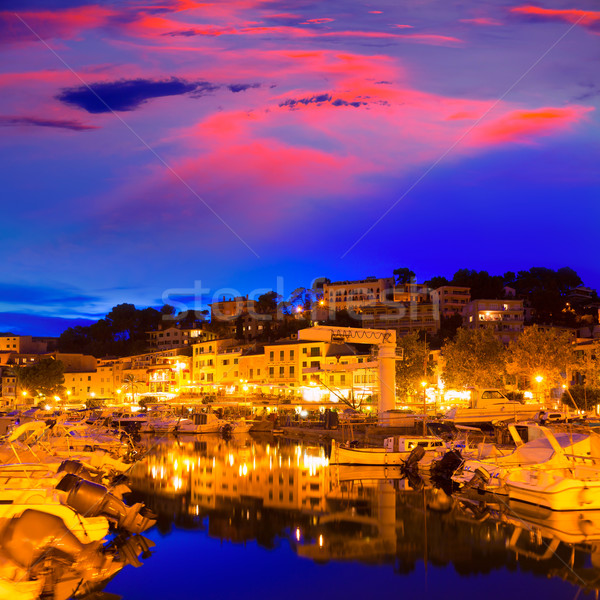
[(266, 519)]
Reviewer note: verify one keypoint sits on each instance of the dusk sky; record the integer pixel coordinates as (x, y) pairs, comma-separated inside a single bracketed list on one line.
[(148, 145)]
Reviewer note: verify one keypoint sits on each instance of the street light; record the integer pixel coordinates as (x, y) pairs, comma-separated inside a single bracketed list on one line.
[(424, 385), (539, 380)]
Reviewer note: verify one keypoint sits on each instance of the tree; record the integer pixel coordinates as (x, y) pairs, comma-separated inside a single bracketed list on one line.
[(403, 275), (413, 367), (436, 282), (588, 365), (131, 382), (475, 358), (45, 377), (542, 352), (267, 303), (482, 284), (546, 291)]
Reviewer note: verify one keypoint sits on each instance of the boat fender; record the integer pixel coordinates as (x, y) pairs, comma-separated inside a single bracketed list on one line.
[(585, 496), (585, 526)]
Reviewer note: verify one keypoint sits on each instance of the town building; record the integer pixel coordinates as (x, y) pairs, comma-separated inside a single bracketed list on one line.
[(352, 295), (25, 344), (505, 317), (404, 318), (451, 299), (177, 337)]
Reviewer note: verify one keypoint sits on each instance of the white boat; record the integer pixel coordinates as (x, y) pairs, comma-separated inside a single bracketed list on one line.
[(395, 451), (571, 482), (129, 419), (201, 423), (547, 451), (489, 406)]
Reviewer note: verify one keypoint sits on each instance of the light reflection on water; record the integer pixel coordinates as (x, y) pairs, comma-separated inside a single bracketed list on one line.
[(281, 502)]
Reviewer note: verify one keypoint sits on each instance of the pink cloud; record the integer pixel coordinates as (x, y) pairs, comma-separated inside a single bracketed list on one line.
[(585, 18), (376, 12), (64, 24), (481, 21), (526, 126), (317, 21)]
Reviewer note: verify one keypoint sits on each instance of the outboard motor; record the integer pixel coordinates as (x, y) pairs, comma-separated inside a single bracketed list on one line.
[(447, 465), (479, 480), (76, 468), (415, 456), (27, 537), (93, 499)]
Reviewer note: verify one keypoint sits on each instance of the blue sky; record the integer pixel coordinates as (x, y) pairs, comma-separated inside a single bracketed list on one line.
[(149, 145)]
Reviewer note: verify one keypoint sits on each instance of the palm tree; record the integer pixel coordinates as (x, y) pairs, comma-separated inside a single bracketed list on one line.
[(131, 382)]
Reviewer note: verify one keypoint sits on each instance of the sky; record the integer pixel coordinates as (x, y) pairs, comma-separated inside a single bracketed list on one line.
[(166, 148)]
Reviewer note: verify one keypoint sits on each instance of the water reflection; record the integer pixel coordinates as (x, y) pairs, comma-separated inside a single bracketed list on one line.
[(247, 490)]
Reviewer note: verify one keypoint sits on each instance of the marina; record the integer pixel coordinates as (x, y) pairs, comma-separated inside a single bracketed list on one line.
[(292, 509)]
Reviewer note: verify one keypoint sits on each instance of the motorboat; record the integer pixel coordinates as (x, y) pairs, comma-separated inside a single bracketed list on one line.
[(201, 423), (571, 482), (490, 406), (546, 451)]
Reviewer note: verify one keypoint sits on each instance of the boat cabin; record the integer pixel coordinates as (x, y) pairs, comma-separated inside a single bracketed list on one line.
[(401, 443), (204, 418), (490, 399)]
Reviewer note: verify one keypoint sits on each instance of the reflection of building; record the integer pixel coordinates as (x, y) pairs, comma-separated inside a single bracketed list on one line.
[(247, 490)]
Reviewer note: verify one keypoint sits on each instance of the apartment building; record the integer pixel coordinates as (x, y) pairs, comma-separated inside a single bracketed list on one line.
[(177, 337), (25, 344), (451, 299), (352, 295), (404, 318), (505, 317)]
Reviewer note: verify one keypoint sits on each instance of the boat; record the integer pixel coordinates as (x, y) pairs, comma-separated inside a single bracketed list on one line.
[(129, 420), (571, 482), (546, 451), (490, 406), (201, 423), (395, 451)]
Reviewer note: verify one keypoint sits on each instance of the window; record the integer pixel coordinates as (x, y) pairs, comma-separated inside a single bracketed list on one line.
[(281, 355), (315, 351), (235, 361), (225, 362), (315, 363), (291, 355), (292, 371), (304, 350), (281, 371), (271, 355), (304, 363), (271, 371)]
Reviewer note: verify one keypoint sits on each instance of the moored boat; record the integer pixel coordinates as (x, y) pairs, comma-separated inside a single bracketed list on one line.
[(395, 451)]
